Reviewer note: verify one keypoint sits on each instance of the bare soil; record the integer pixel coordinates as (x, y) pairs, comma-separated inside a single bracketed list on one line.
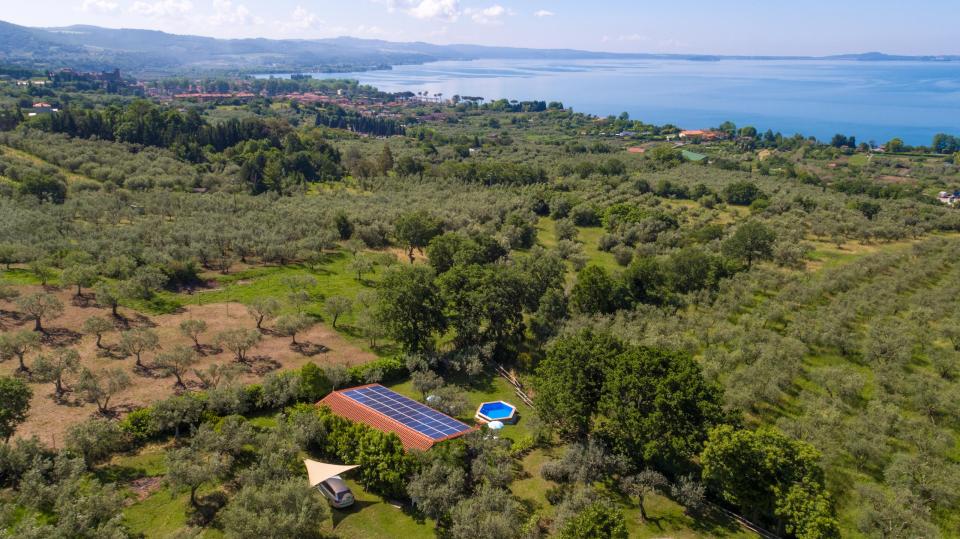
[(49, 420)]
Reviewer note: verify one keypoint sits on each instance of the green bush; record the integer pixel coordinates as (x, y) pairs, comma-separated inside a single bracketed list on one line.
[(384, 464), (254, 394), (139, 425), (314, 384), (389, 370)]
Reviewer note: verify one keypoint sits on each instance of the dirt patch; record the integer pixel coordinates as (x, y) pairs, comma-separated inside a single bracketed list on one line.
[(145, 486), (49, 420), (401, 255)]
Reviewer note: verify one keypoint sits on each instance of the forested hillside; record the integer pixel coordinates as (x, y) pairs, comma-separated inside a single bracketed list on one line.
[(752, 335)]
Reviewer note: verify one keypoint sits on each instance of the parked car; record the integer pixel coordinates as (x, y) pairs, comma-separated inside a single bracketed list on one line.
[(336, 491)]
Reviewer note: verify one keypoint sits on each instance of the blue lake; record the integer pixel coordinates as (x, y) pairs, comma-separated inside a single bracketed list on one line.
[(872, 100)]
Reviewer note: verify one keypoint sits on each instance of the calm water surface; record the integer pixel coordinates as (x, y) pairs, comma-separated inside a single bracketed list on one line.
[(872, 100)]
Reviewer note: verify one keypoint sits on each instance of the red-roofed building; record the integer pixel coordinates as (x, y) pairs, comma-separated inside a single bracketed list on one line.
[(346, 407), (702, 134)]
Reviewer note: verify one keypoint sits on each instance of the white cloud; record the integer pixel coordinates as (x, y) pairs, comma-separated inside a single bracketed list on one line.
[(301, 19), (226, 13), (448, 10), (162, 8), (543, 13), (98, 5), (488, 15), (434, 9), (373, 30), (633, 37)]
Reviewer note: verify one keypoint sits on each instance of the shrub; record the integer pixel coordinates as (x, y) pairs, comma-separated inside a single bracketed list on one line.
[(314, 384), (391, 370), (139, 425)]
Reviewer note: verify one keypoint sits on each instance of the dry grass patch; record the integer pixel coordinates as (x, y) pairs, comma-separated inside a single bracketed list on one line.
[(49, 420)]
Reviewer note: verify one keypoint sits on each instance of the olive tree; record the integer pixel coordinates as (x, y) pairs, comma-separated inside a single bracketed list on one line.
[(97, 326), (40, 306), (239, 341), (641, 484), (137, 341), (291, 324), (193, 329), (17, 344), (176, 362), (79, 275), (94, 439), (190, 467), (51, 368), (109, 295), (337, 306), (263, 309), (102, 386), (280, 509)]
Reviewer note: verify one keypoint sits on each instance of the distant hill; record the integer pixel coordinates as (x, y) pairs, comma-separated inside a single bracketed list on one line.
[(148, 52)]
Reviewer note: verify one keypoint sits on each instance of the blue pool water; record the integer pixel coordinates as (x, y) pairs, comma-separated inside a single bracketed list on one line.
[(496, 410), (871, 100)]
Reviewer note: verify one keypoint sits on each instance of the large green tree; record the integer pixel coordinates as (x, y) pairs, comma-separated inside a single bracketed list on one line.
[(752, 241), (415, 230), (410, 307), (15, 397), (772, 478), (570, 380), (656, 407)]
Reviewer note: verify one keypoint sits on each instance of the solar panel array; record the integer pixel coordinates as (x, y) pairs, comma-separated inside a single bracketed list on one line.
[(408, 412)]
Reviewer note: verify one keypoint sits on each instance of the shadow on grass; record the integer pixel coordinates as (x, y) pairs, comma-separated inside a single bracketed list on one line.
[(11, 319), (712, 521), (206, 509), (58, 337), (114, 473), (340, 514), (309, 349)]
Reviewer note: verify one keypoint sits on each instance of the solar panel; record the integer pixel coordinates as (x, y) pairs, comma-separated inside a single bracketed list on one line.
[(408, 412)]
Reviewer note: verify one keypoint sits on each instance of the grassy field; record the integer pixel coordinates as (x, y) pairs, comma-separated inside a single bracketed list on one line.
[(22, 155), (588, 236)]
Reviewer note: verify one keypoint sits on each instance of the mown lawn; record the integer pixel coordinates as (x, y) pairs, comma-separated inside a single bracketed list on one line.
[(482, 389), (373, 518)]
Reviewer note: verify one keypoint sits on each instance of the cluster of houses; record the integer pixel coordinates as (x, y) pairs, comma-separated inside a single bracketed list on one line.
[(41, 108), (702, 135), (948, 198)]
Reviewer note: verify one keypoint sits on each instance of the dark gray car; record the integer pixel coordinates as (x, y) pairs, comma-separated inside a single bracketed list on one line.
[(336, 491)]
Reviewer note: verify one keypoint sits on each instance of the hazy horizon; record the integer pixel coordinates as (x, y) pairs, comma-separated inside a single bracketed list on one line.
[(740, 27)]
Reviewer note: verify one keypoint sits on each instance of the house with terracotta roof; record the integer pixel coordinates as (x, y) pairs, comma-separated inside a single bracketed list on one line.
[(701, 134), (418, 426)]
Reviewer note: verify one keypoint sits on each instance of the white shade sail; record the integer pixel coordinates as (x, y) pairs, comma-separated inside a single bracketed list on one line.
[(318, 472)]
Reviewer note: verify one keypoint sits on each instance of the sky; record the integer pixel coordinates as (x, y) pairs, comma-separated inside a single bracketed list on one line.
[(756, 27)]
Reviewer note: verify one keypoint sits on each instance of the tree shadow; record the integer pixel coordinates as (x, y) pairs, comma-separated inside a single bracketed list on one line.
[(11, 319), (340, 514), (207, 508), (261, 365), (711, 521), (83, 302), (309, 349), (208, 350), (60, 337), (148, 371), (115, 473), (138, 320)]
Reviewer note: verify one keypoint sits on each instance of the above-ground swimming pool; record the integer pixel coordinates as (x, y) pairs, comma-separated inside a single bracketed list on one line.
[(496, 411)]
